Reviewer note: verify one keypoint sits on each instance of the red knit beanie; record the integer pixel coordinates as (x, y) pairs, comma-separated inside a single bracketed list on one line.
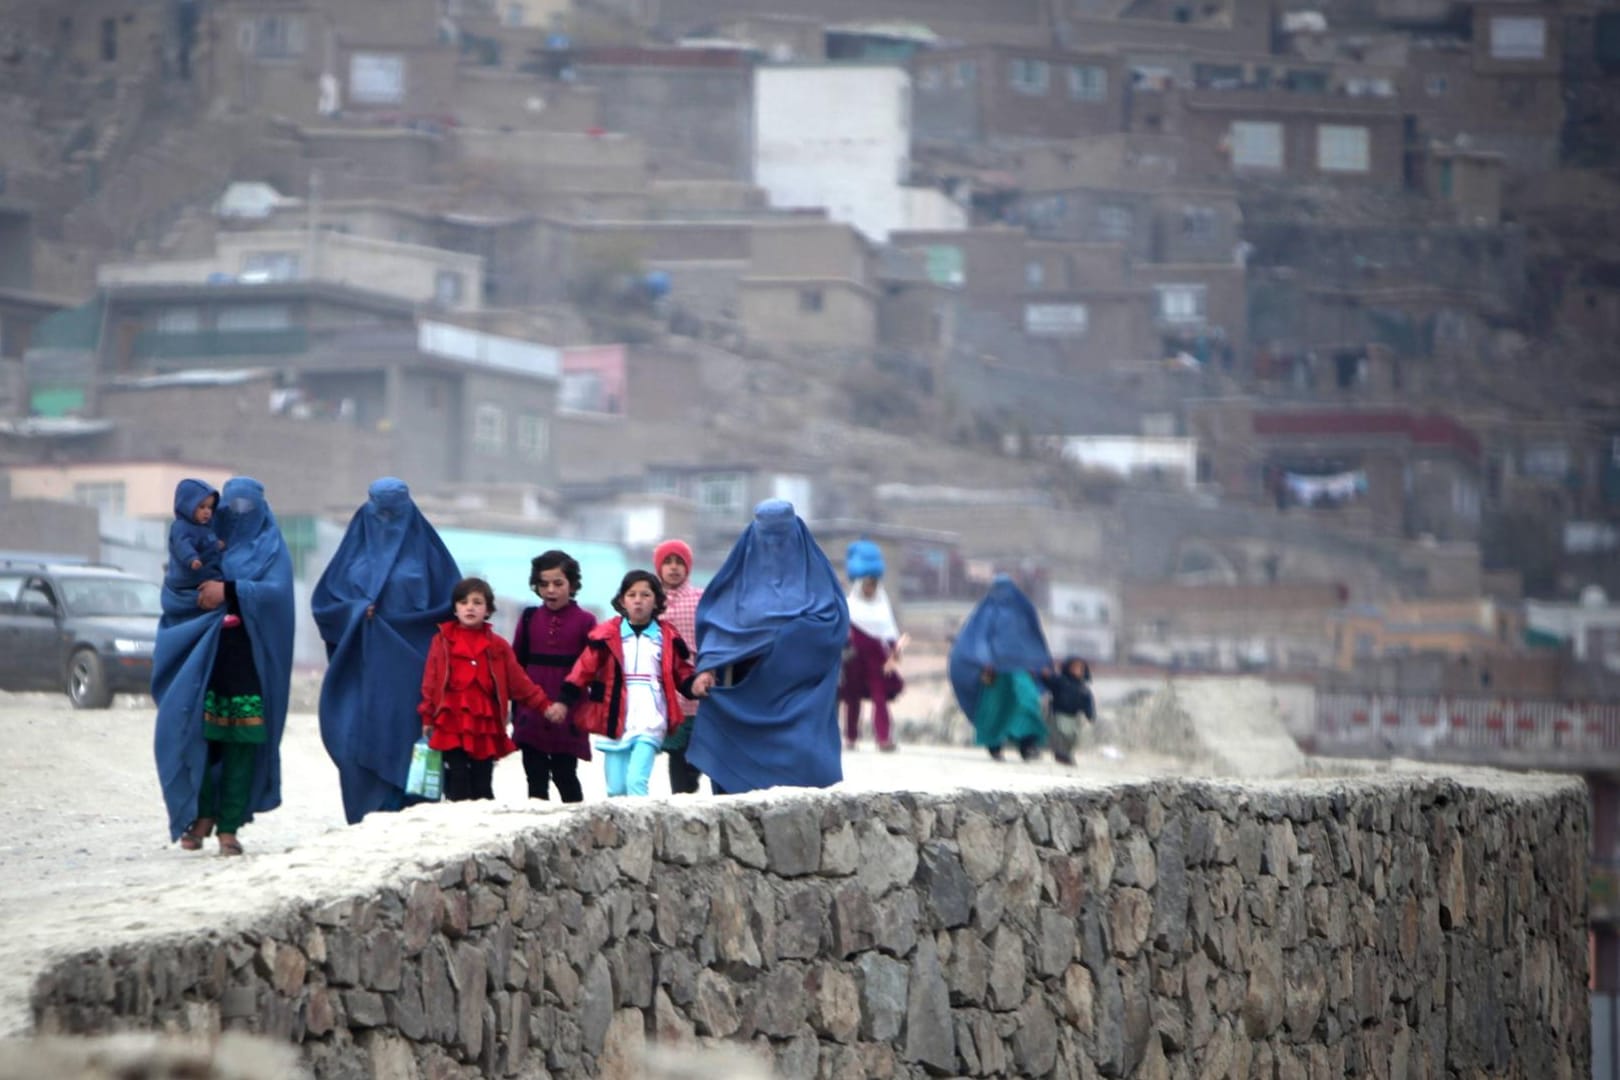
[(672, 547)]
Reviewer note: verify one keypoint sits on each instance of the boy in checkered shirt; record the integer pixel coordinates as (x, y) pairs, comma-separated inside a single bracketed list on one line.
[(673, 561)]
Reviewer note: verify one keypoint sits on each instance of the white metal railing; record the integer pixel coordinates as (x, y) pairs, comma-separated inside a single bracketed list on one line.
[(1467, 723)]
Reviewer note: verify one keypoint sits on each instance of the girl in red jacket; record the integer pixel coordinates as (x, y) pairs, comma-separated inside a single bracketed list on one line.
[(470, 679), (629, 674)]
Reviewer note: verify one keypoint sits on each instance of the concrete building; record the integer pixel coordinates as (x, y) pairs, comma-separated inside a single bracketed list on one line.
[(1001, 96), (445, 404), (1229, 627), (1497, 89), (137, 489), (1079, 300), (1591, 626), (1456, 628), (417, 274), (838, 137), (693, 108), (810, 284), (1386, 470)]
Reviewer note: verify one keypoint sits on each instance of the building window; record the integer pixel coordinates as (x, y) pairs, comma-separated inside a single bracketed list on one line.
[(1515, 37), (965, 74), (1114, 222), (271, 37), (1056, 320), (533, 437), (179, 321), (1181, 303), (106, 496), (1034, 274), (811, 301), (1198, 221), (1436, 86), (254, 317), (1030, 77), (447, 288), (515, 15), (721, 494), (1087, 82), (1256, 145), (1343, 149), (489, 429), (376, 79), (270, 266)]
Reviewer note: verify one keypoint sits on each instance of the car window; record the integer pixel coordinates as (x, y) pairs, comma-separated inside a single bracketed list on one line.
[(110, 596), (35, 598), (10, 586)]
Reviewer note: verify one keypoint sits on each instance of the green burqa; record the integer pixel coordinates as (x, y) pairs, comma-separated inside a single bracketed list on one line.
[(1009, 711)]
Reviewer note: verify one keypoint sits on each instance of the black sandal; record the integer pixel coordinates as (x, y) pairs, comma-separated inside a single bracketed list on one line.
[(192, 839)]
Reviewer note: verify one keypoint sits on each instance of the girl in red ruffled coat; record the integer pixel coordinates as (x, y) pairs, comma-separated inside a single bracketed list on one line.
[(471, 677)]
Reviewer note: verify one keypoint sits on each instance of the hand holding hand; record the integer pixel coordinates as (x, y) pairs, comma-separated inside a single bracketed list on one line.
[(556, 712), (703, 684)]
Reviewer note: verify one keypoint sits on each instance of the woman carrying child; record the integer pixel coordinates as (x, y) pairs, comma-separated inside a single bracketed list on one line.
[(631, 674), (548, 640), (471, 677)]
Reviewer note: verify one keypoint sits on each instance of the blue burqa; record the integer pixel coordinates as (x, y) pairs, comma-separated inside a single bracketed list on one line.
[(256, 562), (776, 609), (391, 559), (1002, 633)]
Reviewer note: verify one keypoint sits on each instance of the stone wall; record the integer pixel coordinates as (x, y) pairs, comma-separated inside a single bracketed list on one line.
[(1391, 925)]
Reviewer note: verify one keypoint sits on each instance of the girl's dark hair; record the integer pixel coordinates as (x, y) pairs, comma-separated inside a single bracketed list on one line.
[(630, 579), (469, 585), (555, 560)]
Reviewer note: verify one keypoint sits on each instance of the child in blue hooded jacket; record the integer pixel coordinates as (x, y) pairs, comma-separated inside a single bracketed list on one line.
[(194, 547)]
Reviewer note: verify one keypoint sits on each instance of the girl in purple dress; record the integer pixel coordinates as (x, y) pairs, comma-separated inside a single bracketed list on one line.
[(548, 640), (872, 657)]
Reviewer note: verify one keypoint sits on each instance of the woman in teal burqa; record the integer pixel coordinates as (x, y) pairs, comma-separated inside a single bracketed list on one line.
[(992, 666)]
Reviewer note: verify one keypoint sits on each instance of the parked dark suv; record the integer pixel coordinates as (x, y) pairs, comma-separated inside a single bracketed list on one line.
[(86, 630)]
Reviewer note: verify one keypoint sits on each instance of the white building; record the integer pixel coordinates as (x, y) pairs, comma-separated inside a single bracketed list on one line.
[(1134, 456), (1592, 626), (838, 136)]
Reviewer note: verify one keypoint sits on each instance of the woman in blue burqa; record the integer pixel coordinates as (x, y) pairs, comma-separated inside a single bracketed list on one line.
[(993, 667), (773, 624), (378, 605), (220, 677)]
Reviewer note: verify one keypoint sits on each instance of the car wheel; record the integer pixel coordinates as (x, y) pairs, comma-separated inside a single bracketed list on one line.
[(87, 681)]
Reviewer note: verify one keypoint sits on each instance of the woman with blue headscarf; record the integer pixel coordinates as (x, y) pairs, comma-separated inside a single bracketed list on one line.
[(772, 626), (221, 675), (993, 665), (378, 605)]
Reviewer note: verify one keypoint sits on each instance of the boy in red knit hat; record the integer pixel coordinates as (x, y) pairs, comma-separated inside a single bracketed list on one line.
[(673, 561)]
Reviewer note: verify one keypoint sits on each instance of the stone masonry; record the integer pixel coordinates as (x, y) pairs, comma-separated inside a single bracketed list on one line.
[(1390, 926)]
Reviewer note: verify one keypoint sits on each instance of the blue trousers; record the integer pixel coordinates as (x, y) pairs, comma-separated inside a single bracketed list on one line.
[(627, 771)]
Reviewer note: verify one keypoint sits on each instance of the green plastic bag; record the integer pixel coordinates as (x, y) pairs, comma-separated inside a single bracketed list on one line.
[(426, 778)]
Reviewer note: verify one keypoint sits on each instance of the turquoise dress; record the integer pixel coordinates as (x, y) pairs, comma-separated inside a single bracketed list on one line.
[(1009, 711)]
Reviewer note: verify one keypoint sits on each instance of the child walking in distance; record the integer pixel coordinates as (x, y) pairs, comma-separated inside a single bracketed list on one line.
[(633, 669), (548, 640), (673, 561), (194, 547), (1070, 687), (470, 677)]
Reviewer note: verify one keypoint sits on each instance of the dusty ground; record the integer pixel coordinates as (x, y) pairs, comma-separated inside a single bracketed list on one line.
[(85, 856)]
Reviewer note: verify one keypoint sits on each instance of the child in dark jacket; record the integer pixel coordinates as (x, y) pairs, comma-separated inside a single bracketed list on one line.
[(194, 549), (1070, 687), (631, 674)]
